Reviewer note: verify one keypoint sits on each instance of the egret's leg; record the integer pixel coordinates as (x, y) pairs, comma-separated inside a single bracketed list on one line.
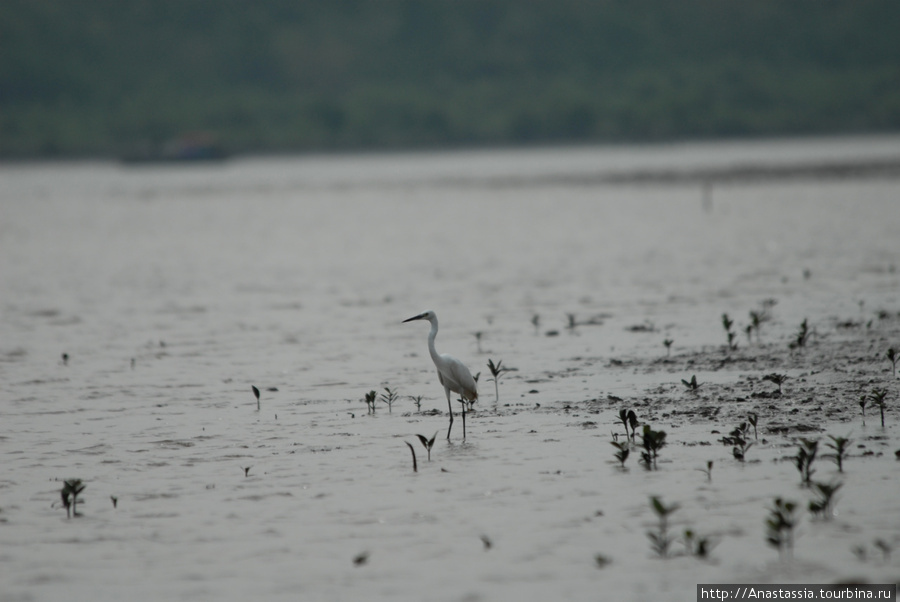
[(450, 409), (464, 419)]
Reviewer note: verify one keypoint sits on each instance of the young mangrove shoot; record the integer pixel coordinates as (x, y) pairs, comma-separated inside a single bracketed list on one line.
[(389, 397), (841, 447), (806, 456), (692, 385), (69, 493), (893, 357), (413, 450), (496, 372), (780, 527), (428, 443), (660, 540), (878, 396), (622, 452)]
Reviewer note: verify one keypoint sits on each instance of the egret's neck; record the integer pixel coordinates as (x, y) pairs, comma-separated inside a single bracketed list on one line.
[(431, 336)]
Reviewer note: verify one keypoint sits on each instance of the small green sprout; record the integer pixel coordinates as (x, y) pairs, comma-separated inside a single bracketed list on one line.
[(806, 456), (428, 443), (727, 323), (660, 540), (893, 358), (862, 404), (840, 445), (708, 470), (413, 450), (753, 419), (692, 385), (878, 396), (389, 397), (821, 506), (496, 372), (371, 397), (622, 452), (780, 526), (801, 337), (628, 418), (668, 345), (652, 442), (417, 399), (777, 379), (69, 493), (697, 546), (256, 393)]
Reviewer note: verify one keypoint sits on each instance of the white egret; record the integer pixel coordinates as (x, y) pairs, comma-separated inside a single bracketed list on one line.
[(452, 373)]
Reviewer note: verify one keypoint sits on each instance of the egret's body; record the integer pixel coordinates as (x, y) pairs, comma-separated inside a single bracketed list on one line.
[(452, 373)]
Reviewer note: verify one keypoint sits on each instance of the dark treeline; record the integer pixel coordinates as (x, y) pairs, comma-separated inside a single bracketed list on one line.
[(101, 76)]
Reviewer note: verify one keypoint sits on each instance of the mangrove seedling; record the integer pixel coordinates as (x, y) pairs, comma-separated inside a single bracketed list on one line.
[(777, 379), (668, 345), (417, 399), (692, 385), (389, 397), (256, 394), (893, 358), (727, 323), (660, 540), (697, 546), (413, 450), (757, 318), (821, 506), (878, 396), (371, 397), (806, 456), (428, 443), (652, 441), (114, 500), (801, 337), (572, 323), (741, 445), (862, 404), (69, 493), (536, 322), (753, 419), (780, 526), (841, 446), (496, 372), (628, 418), (738, 439), (478, 336), (632, 422), (885, 548), (246, 470), (708, 470), (622, 452)]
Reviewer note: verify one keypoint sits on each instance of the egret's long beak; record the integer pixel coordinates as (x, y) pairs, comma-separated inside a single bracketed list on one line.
[(419, 317)]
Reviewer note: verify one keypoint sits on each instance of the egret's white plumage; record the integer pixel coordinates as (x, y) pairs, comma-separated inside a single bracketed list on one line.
[(452, 373)]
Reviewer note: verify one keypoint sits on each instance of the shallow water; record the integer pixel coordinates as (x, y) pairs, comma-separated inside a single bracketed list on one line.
[(174, 288)]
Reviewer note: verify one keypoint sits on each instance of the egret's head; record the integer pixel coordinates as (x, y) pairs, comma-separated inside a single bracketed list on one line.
[(425, 315)]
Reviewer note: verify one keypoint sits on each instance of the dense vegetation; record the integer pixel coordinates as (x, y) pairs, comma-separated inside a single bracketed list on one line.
[(100, 76)]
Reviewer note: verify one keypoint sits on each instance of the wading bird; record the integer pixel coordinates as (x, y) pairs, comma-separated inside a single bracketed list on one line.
[(452, 373)]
